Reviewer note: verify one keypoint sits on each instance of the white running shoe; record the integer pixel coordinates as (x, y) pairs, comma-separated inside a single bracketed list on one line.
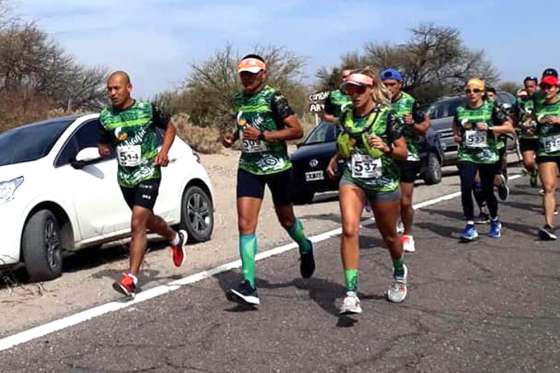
[(408, 243), (351, 304), (400, 228), (397, 292)]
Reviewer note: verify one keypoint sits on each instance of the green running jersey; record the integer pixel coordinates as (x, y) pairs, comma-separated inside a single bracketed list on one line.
[(337, 103), (527, 125), (133, 133), (549, 135), (266, 111), (405, 105), (373, 174), (479, 146)]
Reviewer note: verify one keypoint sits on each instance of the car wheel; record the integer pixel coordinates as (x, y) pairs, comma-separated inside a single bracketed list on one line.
[(41, 246), (432, 170), (197, 214), (303, 197)]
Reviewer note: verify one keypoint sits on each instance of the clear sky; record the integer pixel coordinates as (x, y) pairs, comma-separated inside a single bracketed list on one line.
[(157, 40)]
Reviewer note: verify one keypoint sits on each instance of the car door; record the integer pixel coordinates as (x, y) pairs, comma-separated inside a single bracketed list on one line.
[(100, 207)]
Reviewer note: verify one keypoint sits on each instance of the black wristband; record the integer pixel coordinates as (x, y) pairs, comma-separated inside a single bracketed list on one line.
[(261, 136)]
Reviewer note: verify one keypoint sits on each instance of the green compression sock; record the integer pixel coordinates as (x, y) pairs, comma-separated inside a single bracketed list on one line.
[(398, 266), (297, 234), (351, 279), (247, 252)]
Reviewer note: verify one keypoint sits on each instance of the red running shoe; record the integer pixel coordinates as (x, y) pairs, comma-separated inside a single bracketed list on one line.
[(127, 285), (179, 251)]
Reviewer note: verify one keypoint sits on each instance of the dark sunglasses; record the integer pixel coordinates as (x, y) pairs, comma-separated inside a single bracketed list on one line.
[(469, 91), (352, 88), (389, 84), (544, 87)]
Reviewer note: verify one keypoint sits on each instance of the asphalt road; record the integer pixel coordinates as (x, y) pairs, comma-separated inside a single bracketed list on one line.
[(492, 305)]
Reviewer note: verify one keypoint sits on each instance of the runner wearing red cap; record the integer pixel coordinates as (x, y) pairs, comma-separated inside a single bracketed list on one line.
[(547, 114)]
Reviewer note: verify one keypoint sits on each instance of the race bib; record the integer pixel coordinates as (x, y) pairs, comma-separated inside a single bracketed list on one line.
[(475, 139), (129, 155), (551, 143), (253, 146), (366, 167)]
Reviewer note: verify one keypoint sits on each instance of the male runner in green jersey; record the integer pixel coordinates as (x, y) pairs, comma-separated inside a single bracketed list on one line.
[(129, 127), (416, 124), (527, 127), (337, 101), (265, 121)]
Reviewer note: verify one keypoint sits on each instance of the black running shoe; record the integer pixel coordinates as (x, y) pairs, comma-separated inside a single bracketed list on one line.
[(244, 294), (547, 233), (503, 189), (307, 264)]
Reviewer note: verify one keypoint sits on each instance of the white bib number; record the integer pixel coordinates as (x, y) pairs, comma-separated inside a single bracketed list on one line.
[(129, 155), (366, 167), (253, 146), (551, 143), (475, 139)]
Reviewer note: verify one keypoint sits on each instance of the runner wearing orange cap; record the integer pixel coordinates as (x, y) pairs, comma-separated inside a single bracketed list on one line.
[(265, 121)]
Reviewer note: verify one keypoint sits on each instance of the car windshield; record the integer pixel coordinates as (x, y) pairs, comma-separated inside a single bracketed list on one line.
[(30, 142), (444, 108), (324, 132)]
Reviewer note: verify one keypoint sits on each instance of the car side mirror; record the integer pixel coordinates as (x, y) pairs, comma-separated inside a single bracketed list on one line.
[(86, 157)]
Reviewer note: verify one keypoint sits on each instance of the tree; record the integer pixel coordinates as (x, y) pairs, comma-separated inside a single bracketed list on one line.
[(511, 87), (434, 61), (207, 92)]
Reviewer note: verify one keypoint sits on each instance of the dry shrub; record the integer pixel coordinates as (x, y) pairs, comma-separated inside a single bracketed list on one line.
[(202, 139)]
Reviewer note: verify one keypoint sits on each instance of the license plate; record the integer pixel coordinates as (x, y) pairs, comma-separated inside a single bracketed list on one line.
[(314, 175)]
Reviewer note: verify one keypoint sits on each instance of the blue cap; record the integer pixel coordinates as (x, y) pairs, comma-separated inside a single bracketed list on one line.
[(390, 74)]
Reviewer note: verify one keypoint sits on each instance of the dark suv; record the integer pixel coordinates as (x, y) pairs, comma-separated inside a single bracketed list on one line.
[(441, 114), (311, 159)]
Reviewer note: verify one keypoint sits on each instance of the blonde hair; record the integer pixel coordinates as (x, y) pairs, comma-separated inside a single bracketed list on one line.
[(379, 93)]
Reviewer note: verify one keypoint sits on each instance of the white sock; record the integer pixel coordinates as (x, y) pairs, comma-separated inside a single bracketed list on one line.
[(176, 240)]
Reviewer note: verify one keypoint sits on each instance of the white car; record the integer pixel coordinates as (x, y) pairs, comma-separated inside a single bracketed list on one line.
[(57, 194)]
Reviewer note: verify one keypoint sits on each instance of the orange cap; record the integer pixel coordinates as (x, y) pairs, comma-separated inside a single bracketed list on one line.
[(253, 65)]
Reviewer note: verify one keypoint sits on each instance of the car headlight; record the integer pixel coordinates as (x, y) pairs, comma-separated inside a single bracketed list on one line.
[(8, 188)]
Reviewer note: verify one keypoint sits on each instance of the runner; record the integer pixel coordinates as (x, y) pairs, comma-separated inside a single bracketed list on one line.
[(369, 143), (130, 127), (416, 124), (500, 179), (265, 121), (527, 127), (476, 127), (547, 114), (337, 101)]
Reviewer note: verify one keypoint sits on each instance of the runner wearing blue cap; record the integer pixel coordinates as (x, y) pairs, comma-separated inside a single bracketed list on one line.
[(416, 123)]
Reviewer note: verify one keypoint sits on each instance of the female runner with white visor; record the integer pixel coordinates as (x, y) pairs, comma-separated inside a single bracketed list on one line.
[(369, 143)]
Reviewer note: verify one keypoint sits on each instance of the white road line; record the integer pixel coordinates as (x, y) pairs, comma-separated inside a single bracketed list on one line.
[(53, 326)]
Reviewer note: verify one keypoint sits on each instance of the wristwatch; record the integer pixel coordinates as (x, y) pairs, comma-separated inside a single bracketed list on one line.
[(261, 136)]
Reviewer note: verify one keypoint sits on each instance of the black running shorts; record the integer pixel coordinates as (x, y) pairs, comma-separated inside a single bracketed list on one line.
[(280, 185), (144, 194)]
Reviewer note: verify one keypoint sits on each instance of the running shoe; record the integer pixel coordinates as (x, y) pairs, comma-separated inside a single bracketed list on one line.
[(400, 227), (397, 292), (495, 229), (307, 263), (408, 243), (547, 233), (179, 251), (533, 179), (482, 218), (503, 188), (351, 304), (469, 233), (244, 294), (126, 285)]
